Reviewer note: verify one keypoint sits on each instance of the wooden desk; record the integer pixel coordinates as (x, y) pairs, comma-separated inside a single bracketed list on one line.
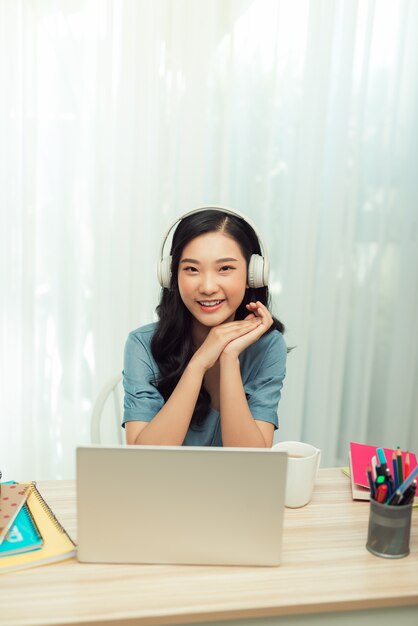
[(326, 574)]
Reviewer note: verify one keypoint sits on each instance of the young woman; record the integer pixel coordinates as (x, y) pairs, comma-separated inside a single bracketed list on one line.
[(210, 372)]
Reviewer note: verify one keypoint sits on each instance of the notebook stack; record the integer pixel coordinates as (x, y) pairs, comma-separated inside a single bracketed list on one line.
[(30, 534)]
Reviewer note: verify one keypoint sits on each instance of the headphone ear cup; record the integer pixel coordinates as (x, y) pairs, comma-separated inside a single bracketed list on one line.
[(164, 272), (266, 271), (257, 271)]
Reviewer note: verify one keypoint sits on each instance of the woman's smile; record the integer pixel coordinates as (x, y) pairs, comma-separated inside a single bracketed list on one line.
[(210, 305)]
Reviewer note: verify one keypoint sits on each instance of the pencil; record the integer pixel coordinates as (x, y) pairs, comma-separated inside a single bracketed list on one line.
[(407, 465), (400, 472), (395, 470)]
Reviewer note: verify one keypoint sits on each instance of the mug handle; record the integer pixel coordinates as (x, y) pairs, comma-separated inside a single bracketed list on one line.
[(318, 462)]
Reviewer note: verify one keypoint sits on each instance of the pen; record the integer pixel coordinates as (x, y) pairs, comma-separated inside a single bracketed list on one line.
[(371, 482), (396, 498), (399, 493), (374, 467), (408, 481), (400, 473), (382, 459), (389, 482), (380, 481), (409, 494), (379, 469), (381, 493)]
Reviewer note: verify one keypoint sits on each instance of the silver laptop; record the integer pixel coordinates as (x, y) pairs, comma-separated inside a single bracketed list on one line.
[(188, 505)]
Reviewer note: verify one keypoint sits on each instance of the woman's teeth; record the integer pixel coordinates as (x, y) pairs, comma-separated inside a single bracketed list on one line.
[(211, 303)]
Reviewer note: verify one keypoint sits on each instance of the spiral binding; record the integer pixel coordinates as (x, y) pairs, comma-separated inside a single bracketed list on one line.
[(48, 510)]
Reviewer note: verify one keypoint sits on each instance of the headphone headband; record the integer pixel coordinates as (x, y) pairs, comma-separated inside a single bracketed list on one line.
[(258, 268)]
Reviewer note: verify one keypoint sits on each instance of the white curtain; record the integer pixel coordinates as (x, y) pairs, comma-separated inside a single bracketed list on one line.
[(118, 115)]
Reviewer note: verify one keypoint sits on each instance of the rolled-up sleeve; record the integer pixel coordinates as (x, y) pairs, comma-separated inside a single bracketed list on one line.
[(264, 384), (142, 400)]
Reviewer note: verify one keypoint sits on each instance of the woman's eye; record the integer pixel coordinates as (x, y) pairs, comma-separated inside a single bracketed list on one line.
[(190, 269), (226, 268)]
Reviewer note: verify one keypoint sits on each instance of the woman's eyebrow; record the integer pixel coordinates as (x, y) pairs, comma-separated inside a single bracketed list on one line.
[(196, 262)]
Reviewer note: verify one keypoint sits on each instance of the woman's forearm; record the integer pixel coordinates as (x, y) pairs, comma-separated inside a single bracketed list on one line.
[(237, 423), (169, 426)]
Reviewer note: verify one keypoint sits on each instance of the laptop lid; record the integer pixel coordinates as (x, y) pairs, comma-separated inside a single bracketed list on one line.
[(185, 505)]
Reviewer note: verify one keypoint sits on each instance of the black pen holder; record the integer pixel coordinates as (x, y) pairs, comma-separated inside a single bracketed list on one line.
[(389, 530)]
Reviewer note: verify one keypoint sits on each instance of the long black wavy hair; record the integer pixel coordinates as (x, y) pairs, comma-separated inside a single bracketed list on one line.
[(172, 345)]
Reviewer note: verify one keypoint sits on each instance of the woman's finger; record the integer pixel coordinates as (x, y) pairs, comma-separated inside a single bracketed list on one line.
[(261, 311)]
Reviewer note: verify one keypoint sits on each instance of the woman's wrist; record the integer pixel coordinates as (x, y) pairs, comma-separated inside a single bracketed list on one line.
[(196, 366), (229, 358)]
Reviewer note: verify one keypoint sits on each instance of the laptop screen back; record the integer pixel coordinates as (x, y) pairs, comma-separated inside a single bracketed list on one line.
[(190, 505)]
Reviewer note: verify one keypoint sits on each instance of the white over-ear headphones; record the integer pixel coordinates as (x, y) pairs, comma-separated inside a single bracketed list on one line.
[(258, 267)]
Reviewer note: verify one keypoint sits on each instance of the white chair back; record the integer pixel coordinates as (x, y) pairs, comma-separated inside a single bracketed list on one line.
[(106, 417)]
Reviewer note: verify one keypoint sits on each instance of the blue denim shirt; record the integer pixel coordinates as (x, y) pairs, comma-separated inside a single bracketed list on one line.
[(263, 368)]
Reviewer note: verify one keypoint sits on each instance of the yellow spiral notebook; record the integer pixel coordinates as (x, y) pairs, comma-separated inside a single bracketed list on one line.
[(57, 545)]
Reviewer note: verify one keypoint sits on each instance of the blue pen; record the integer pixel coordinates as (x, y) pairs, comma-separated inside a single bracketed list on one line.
[(389, 482)]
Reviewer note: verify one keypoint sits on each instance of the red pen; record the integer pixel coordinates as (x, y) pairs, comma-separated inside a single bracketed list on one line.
[(381, 493)]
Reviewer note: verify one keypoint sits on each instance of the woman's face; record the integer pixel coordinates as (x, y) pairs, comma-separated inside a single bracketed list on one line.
[(212, 278)]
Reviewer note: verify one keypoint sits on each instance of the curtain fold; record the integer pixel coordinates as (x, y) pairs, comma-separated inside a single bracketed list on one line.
[(115, 117)]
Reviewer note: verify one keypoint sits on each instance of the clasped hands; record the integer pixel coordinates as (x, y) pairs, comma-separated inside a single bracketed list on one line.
[(231, 338)]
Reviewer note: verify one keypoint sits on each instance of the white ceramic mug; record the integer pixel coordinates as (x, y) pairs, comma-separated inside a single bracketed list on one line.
[(302, 467)]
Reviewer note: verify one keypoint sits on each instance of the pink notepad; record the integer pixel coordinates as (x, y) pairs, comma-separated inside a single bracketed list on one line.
[(360, 457)]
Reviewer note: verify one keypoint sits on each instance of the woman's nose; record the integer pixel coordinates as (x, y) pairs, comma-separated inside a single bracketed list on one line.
[(208, 284)]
